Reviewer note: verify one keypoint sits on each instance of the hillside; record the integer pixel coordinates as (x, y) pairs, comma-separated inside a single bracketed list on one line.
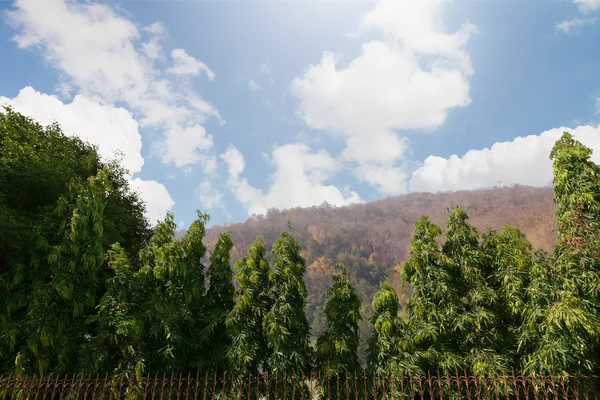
[(372, 239)]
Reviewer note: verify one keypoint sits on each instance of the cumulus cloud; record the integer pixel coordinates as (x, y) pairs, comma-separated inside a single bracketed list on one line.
[(152, 48), (209, 197), (410, 79), (524, 160), (587, 5), (184, 64), (298, 180), (157, 198), (110, 60), (111, 128), (573, 25)]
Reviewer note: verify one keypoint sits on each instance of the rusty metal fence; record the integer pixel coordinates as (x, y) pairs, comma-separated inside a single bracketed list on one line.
[(314, 386)]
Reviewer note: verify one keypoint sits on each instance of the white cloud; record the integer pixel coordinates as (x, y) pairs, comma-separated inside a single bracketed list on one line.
[(209, 165), (572, 25), (597, 105), (253, 86), (111, 128), (209, 197), (184, 64), (183, 146), (587, 5), (409, 80), (297, 181), (157, 198), (152, 48), (103, 55), (521, 161)]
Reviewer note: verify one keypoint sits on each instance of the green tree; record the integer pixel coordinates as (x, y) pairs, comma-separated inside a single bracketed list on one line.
[(389, 347), (567, 317), (478, 301), (61, 208), (285, 325), (337, 347), (119, 347), (510, 254), (250, 352), (174, 275), (219, 302), (435, 301), (56, 321)]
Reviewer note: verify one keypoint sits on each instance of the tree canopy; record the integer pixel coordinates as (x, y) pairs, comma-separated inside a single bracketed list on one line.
[(87, 285)]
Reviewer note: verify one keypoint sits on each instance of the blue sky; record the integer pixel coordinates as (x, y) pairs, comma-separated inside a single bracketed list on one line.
[(236, 107)]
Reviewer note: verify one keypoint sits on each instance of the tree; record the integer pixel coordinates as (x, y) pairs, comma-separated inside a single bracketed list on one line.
[(56, 320), (61, 208), (388, 352), (285, 325), (219, 302), (478, 300), (509, 253), (435, 301), (250, 352), (567, 318), (337, 347), (119, 347)]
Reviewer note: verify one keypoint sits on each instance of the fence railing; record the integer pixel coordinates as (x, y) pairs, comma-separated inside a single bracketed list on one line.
[(309, 387)]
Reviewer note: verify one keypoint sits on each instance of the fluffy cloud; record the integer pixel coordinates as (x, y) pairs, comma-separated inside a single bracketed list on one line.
[(184, 64), (297, 181), (409, 80), (209, 197), (573, 25), (156, 195), (525, 160), (587, 5), (110, 60), (112, 129)]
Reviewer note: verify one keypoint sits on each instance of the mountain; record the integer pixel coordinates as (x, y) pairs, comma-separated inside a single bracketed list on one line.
[(372, 239)]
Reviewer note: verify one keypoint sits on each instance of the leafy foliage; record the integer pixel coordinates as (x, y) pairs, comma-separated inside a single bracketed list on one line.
[(250, 352), (435, 303), (337, 347), (389, 347), (61, 208), (219, 302), (565, 300), (86, 285), (285, 324)]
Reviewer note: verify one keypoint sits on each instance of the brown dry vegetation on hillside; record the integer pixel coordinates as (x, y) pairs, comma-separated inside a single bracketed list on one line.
[(373, 239)]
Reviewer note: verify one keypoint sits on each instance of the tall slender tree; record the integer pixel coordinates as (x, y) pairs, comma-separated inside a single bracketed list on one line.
[(509, 256), (389, 348), (285, 325), (219, 302), (250, 352), (119, 347), (435, 302), (56, 322), (479, 302), (568, 319), (173, 280), (337, 347)]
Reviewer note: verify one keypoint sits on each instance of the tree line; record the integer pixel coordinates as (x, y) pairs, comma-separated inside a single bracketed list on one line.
[(88, 286)]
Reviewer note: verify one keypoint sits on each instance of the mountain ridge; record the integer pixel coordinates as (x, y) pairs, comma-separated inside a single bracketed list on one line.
[(373, 239)]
